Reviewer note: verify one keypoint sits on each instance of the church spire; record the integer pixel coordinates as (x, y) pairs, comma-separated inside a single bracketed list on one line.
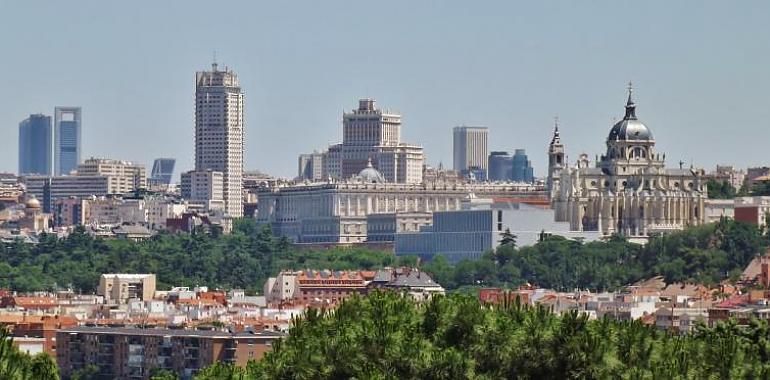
[(630, 105), (556, 140)]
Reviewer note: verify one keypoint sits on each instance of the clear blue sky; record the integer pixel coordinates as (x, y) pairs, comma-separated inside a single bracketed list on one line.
[(700, 69)]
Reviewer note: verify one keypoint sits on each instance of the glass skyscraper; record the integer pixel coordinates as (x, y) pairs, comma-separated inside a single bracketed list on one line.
[(522, 167), (35, 145), (162, 171), (67, 127), (500, 166)]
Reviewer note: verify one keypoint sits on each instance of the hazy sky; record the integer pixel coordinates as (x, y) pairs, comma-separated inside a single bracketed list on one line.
[(700, 69)]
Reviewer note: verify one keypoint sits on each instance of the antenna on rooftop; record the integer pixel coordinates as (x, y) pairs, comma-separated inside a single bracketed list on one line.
[(214, 61)]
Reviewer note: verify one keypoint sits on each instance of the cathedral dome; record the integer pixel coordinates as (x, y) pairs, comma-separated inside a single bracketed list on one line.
[(630, 128), (32, 203), (370, 174)]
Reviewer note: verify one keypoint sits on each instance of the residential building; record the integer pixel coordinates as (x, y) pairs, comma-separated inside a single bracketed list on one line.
[(718, 209), (68, 212), (120, 287), (500, 166), (205, 187), (471, 150), (219, 131), (728, 173), (629, 191), (418, 284), (756, 174), (35, 145), (311, 167), (753, 210), (67, 132), (326, 287), (124, 176), (133, 353)]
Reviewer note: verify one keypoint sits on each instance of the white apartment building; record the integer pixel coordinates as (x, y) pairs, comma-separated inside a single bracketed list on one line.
[(470, 149), (205, 187), (219, 132)]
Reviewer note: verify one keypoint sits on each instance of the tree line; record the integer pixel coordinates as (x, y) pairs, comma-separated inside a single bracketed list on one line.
[(704, 254), (243, 259), (247, 257), (387, 336)]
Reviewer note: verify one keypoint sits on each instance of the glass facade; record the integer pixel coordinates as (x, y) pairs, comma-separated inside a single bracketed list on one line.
[(35, 145), (522, 167), (67, 127)]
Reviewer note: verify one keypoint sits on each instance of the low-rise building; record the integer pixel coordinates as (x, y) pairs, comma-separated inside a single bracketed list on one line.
[(753, 210), (121, 287), (478, 227)]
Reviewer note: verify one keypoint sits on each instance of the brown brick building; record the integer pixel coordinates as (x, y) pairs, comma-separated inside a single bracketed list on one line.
[(132, 353)]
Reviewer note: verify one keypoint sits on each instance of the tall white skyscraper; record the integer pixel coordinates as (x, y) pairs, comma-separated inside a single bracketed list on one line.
[(219, 132), (471, 150)]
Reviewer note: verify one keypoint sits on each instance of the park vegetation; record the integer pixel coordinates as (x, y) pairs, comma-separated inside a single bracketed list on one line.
[(387, 336), (247, 257)]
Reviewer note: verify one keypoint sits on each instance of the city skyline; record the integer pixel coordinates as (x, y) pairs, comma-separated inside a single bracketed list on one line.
[(513, 83)]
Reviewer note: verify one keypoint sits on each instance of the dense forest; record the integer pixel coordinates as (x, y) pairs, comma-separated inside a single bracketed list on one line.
[(386, 336), (245, 258)]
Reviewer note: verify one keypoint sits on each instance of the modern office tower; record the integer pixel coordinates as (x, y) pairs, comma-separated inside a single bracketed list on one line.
[(124, 176), (522, 167), (500, 166), (35, 145), (470, 151), (162, 170), (219, 132), (205, 187), (67, 129), (311, 166)]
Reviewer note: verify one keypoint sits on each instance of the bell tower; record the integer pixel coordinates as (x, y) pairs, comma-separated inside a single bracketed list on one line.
[(556, 162)]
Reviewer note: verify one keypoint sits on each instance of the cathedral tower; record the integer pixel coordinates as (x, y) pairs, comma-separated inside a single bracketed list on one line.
[(556, 162)]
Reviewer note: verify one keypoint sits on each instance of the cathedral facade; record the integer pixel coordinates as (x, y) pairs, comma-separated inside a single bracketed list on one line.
[(628, 190)]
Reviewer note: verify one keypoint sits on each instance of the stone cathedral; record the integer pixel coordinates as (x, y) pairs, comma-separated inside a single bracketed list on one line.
[(628, 191)]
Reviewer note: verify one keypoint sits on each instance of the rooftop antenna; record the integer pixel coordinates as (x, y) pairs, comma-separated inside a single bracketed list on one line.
[(214, 61)]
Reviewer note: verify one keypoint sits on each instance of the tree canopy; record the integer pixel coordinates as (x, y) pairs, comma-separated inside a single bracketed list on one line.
[(17, 365), (704, 254), (387, 336), (243, 259)]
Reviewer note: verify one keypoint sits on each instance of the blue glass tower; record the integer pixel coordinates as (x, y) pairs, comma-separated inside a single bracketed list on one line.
[(162, 171), (500, 166), (67, 126), (522, 167), (35, 145)]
